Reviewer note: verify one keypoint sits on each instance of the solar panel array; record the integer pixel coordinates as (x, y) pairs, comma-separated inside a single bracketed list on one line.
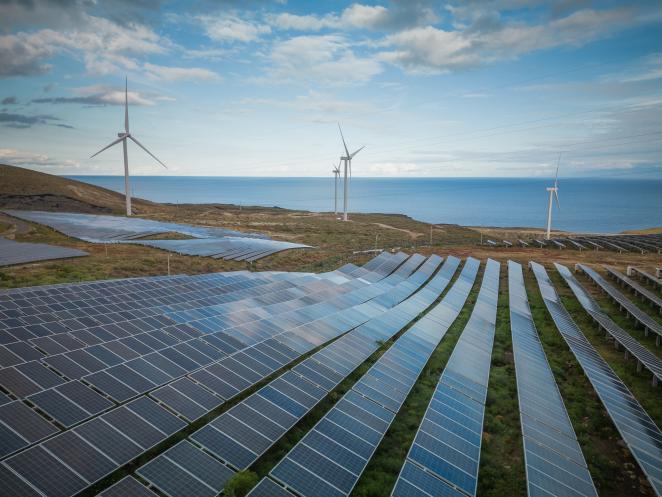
[(445, 455), (297, 313), (218, 243), (646, 276), (619, 243), (13, 252), (240, 435), (644, 356), (331, 457), (638, 430), (555, 465), (649, 324), (635, 287)]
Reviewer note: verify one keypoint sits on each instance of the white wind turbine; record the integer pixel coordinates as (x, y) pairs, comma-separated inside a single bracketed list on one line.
[(336, 175), (553, 192), (122, 137), (347, 158)]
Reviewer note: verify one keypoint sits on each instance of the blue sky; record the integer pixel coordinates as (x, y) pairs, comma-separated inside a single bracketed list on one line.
[(255, 88)]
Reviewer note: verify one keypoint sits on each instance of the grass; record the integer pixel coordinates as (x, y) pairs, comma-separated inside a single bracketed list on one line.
[(382, 470), (502, 459), (614, 470)]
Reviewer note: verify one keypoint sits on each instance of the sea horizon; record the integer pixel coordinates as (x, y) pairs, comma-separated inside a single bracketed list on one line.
[(587, 204)]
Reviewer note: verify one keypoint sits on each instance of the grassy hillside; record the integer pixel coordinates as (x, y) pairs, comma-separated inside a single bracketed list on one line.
[(25, 189)]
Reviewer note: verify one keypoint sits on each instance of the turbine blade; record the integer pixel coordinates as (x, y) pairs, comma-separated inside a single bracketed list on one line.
[(108, 146), (126, 104), (150, 153), (558, 163), (556, 194), (356, 152), (343, 140)]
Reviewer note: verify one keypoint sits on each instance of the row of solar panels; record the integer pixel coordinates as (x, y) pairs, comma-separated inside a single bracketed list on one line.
[(238, 437), (649, 324), (213, 242), (555, 465), (445, 455), (12, 252), (651, 279), (331, 457), (105, 228), (642, 436), (644, 356), (644, 293), (619, 243), (184, 395)]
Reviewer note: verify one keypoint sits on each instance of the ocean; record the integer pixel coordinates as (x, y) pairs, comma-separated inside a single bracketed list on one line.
[(587, 205)]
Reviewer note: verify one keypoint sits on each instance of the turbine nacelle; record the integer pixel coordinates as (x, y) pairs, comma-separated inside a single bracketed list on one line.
[(123, 137)]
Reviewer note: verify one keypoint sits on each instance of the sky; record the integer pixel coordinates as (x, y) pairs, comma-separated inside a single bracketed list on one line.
[(494, 88)]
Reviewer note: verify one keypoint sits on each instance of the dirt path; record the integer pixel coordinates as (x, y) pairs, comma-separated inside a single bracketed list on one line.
[(412, 234)]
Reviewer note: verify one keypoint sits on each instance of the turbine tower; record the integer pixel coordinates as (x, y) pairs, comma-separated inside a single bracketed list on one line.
[(347, 159), (336, 175), (122, 137), (553, 192)]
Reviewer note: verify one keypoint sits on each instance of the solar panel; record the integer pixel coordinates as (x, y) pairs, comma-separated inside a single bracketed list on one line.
[(112, 387), (110, 442), (46, 473), (11, 481), (80, 456), (223, 447), (25, 422), (174, 480), (127, 487), (134, 427), (206, 241), (267, 488), (637, 429), (156, 415), (13, 252), (644, 356), (58, 407), (179, 403), (84, 397), (644, 319), (199, 464)]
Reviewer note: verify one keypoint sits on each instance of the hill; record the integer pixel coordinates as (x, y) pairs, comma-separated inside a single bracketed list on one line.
[(25, 189)]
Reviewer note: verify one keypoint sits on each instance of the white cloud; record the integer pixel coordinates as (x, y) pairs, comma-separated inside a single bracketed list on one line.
[(104, 46), (365, 16), (359, 16), (230, 28), (433, 49), (180, 73), (326, 59), (99, 95), (32, 160)]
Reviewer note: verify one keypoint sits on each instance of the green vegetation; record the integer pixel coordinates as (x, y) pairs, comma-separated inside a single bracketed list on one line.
[(240, 484), (614, 470), (502, 459)]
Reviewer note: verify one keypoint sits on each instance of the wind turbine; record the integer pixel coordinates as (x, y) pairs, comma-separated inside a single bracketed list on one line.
[(553, 191), (336, 175), (122, 137), (347, 158)]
